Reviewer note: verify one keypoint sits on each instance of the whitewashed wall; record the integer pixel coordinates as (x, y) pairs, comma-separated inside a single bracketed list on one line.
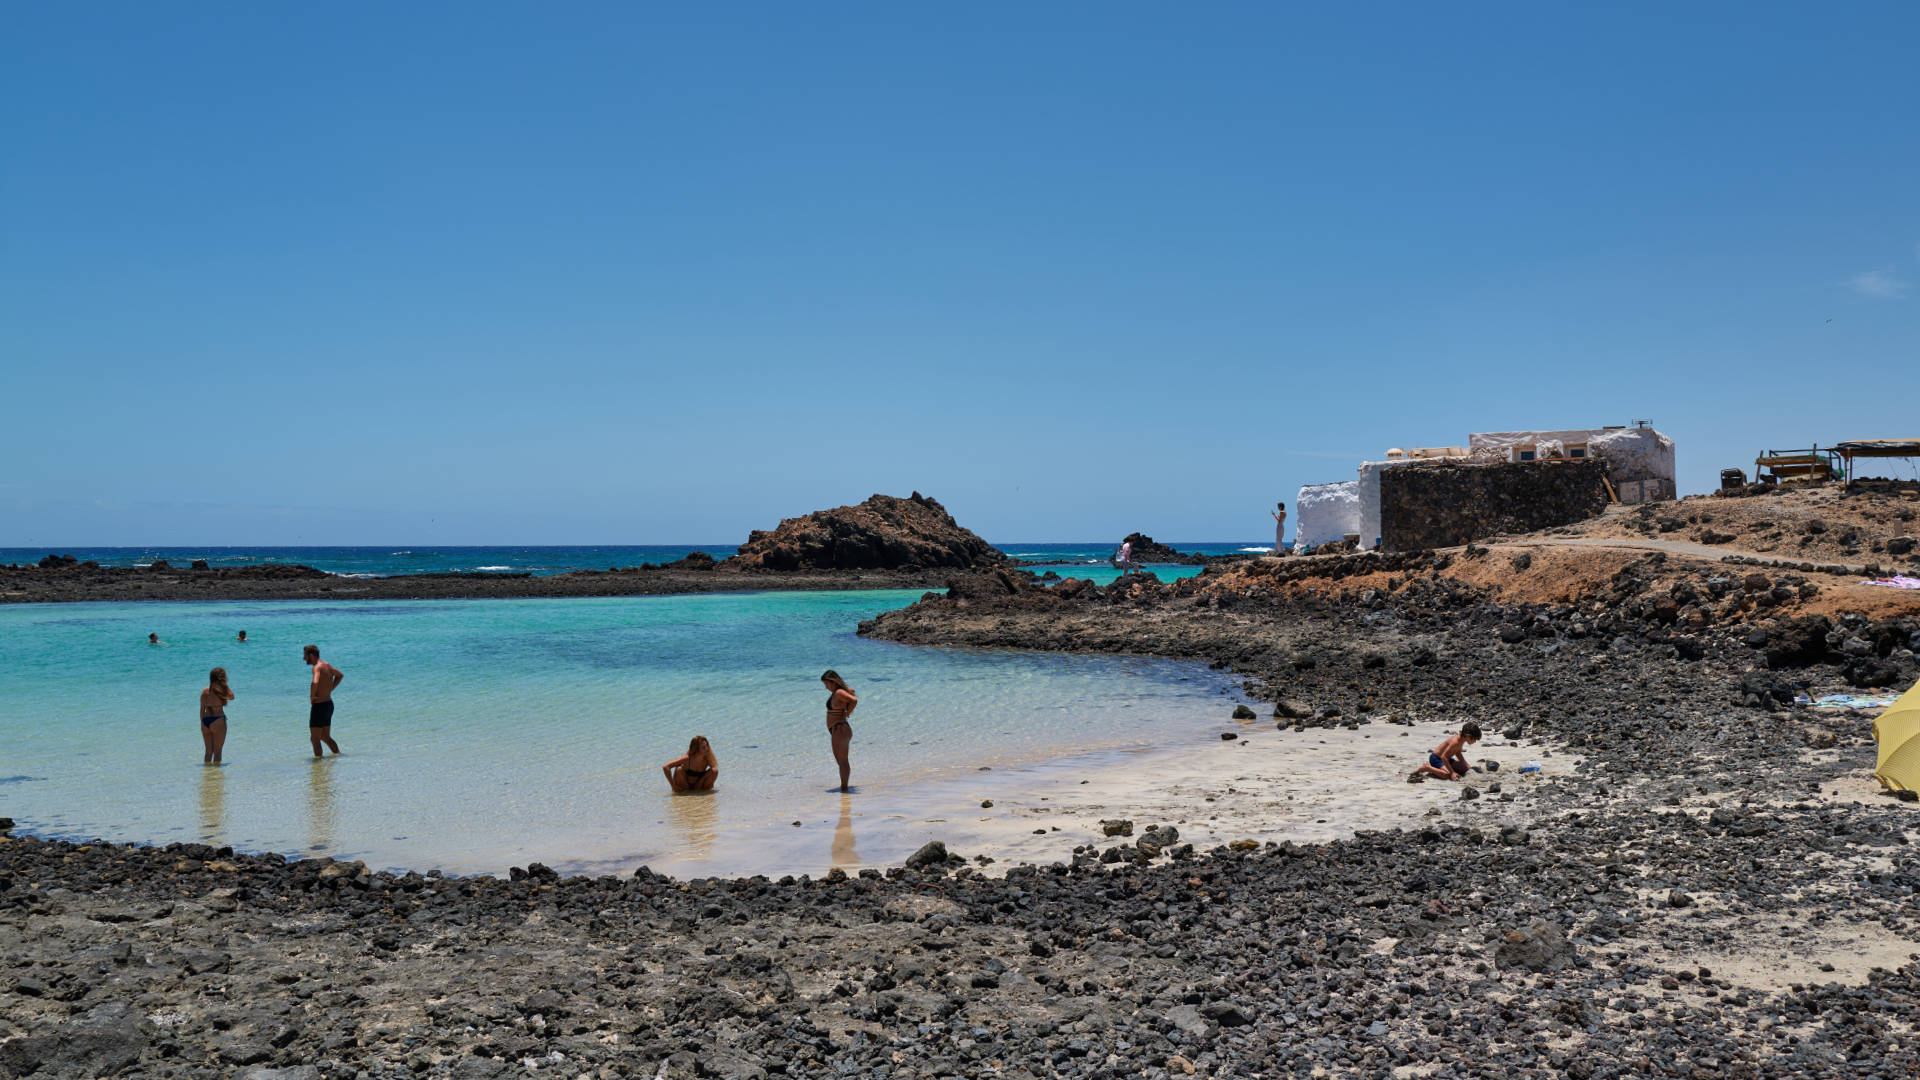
[(1327, 513), (1635, 454)]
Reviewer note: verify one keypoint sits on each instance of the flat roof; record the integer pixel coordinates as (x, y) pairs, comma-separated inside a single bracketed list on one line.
[(1879, 448)]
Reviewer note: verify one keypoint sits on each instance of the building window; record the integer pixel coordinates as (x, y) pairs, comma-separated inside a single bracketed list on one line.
[(1578, 451), (1526, 455)]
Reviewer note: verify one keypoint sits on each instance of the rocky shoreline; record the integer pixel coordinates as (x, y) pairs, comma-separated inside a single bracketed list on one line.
[(1715, 889), (1719, 931), (32, 585)]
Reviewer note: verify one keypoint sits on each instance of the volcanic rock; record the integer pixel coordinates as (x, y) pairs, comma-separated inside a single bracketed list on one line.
[(931, 853), (1540, 946), (883, 533)]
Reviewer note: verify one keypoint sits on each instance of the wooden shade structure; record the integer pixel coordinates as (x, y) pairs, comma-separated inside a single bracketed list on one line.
[(1876, 448), (1775, 465)]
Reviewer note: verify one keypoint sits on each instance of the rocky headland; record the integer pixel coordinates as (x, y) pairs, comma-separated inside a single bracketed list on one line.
[(882, 543)]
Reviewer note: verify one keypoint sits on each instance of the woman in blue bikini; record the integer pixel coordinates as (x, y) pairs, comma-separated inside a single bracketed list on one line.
[(213, 714)]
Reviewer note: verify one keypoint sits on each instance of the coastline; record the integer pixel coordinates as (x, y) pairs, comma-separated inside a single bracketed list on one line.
[(1705, 880), (36, 586)]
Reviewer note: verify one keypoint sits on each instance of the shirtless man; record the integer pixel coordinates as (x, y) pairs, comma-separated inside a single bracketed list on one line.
[(1449, 760), (320, 694)]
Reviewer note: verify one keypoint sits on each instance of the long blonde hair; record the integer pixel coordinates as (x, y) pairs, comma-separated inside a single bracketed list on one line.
[(217, 682)]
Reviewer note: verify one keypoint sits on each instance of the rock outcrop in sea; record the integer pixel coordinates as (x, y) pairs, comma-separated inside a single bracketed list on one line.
[(1148, 550), (883, 533)]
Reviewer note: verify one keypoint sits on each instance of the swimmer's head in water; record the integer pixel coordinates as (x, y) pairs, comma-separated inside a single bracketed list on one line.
[(833, 680), (243, 635), (311, 652)]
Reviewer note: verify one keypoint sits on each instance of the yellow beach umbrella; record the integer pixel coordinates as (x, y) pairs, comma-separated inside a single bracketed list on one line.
[(1898, 732)]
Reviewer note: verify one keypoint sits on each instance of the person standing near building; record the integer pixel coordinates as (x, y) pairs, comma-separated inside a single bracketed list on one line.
[(1279, 527)]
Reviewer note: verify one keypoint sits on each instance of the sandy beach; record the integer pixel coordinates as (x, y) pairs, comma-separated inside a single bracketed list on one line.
[(1266, 785)]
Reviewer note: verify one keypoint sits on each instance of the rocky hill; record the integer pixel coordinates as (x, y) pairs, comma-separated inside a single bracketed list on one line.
[(883, 533)]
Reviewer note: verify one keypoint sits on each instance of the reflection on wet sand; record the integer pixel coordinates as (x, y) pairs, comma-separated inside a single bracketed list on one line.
[(695, 818), (844, 854), (320, 806), (213, 804)]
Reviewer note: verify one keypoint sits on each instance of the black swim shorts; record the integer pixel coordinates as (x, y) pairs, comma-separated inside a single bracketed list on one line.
[(320, 715)]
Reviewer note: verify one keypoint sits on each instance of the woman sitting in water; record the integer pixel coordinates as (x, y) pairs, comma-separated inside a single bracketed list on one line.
[(695, 772), (213, 714), (840, 705)]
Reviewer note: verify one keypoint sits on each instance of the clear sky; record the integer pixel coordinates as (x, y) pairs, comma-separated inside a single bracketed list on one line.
[(511, 273)]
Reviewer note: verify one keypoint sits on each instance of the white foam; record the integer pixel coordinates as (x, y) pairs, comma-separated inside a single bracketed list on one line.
[(493, 568), (1256, 549)]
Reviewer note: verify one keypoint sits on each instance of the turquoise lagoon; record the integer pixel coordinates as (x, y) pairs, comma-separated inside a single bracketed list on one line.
[(480, 734)]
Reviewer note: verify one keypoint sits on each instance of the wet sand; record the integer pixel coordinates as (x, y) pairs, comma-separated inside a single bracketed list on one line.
[(1265, 785)]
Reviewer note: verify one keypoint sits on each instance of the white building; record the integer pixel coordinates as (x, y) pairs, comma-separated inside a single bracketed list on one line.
[(1639, 464), (1639, 459), (1327, 513)]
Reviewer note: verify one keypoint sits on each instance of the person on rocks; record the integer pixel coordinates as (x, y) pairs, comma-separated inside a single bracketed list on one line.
[(320, 700), (1123, 559), (1449, 760), (696, 771), (841, 702), (1279, 513), (213, 715)]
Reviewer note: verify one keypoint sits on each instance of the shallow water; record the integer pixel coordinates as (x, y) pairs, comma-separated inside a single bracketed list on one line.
[(483, 733)]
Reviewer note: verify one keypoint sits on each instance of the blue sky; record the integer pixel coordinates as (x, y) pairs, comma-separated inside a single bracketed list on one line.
[(481, 273)]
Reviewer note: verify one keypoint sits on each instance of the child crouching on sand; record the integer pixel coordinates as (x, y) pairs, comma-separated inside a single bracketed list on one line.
[(1449, 760)]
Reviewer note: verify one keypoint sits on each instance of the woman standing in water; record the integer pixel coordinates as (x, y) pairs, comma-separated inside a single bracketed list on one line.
[(840, 705), (213, 714), (695, 772)]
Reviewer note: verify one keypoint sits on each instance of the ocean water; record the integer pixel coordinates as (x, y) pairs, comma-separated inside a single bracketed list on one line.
[(485, 733), (387, 560)]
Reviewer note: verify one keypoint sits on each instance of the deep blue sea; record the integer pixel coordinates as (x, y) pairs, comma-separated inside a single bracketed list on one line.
[(385, 560)]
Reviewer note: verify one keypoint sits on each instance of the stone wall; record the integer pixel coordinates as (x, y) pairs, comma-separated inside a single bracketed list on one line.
[(1432, 506)]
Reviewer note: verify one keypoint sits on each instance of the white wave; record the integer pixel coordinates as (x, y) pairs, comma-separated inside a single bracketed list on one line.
[(493, 568), (1257, 549)]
